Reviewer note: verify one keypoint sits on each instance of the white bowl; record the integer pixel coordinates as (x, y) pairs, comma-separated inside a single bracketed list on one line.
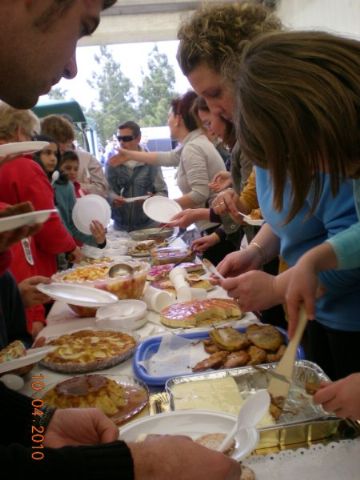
[(124, 314)]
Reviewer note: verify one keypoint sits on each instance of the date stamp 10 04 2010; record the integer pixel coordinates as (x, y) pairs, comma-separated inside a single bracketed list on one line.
[(37, 430)]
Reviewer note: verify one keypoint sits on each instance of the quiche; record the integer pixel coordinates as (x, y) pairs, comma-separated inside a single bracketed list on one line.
[(196, 313), (89, 350)]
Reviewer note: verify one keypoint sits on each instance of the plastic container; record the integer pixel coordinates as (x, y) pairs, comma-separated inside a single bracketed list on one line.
[(149, 347)]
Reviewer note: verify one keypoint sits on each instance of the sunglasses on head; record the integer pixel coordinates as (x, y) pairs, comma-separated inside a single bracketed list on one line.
[(125, 138)]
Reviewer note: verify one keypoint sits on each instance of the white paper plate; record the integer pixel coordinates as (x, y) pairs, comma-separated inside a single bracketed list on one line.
[(192, 423), (79, 295), (21, 148), (88, 208), (253, 222), (136, 199), (32, 356), (161, 209), (30, 218)]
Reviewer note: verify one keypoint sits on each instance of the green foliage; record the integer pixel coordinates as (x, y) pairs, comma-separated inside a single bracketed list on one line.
[(156, 91), (57, 93), (116, 100)]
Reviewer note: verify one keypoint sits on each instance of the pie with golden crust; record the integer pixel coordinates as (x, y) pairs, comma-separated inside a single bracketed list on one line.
[(196, 313), (89, 350)]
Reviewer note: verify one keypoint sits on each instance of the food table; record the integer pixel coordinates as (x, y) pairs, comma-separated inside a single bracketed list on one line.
[(318, 461)]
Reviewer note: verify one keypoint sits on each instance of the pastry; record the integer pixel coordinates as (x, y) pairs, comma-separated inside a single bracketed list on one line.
[(200, 312), (265, 337), (85, 392), (118, 400), (227, 338), (143, 247), (165, 255), (89, 350)]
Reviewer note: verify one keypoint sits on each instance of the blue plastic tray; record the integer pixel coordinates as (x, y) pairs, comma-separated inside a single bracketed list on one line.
[(149, 347)]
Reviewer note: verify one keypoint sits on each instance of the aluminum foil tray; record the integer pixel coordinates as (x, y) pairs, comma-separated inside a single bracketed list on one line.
[(301, 421)]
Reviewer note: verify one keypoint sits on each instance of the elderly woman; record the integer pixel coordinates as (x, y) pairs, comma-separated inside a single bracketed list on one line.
[(22, 180), (197, 160)]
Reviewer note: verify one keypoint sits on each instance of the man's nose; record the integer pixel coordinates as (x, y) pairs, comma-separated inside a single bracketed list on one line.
[(70, 70)]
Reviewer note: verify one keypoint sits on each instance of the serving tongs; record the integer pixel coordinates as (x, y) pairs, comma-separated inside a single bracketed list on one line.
[(281, 377)]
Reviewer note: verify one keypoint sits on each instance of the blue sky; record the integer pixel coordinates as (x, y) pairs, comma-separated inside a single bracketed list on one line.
[(132, 57)]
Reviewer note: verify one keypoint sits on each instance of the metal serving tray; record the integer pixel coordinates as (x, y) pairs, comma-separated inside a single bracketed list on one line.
[(301, 421)]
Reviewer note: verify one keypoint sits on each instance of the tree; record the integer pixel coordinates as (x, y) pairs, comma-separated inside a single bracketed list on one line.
[(156, 91), (116, 102), (57, 93)]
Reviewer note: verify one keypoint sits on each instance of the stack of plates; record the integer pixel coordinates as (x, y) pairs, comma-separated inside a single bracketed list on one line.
[(89, 208)]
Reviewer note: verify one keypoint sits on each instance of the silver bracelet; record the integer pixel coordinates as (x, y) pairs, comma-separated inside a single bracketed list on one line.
[(260, 250)]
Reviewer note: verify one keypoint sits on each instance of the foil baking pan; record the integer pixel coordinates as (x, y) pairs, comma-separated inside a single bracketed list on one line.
[(301, 421)]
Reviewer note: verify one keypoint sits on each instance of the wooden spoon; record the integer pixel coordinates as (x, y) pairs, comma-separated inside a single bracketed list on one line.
[(278, 387)]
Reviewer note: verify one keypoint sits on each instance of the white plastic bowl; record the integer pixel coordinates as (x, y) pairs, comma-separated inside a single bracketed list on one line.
[(124, 314)]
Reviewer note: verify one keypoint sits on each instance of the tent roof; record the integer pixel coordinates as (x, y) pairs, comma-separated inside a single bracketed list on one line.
[(60, 107)]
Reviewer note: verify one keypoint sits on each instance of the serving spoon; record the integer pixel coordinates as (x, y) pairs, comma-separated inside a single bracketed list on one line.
[(251, 412), (121, 270)]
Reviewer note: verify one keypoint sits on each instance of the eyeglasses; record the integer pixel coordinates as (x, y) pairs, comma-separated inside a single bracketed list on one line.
[(125, 138)]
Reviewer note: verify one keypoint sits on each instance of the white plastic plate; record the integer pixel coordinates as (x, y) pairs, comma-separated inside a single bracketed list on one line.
[(192, 423), (30, 218), (79, 295), (21, 148), (32, 356), (161, 209)]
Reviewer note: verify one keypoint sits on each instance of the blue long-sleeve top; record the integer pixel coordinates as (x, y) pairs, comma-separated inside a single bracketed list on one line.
[(346, 244), (340, 305)]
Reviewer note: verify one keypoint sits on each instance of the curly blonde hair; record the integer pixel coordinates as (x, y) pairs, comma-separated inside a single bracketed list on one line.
[(13, 119), (214, 35)]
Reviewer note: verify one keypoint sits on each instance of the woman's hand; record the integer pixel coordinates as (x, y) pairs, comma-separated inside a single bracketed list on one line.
[(186, 217), (221, 181), (254, 290), (227, 202), (341, 397), (240, 262), (118, 201), (204, 243), (119, 158), (75, 256), (98, 232), (30, 295)]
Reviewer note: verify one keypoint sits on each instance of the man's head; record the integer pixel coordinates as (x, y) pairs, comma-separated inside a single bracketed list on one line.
[(129, 135), (37, 44)]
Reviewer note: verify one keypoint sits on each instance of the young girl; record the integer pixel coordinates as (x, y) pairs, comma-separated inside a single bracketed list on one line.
[(65, 198)]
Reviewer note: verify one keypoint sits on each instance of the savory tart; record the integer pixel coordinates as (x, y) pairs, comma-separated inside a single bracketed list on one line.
[(89, 350), (117, 400), (200, 312)]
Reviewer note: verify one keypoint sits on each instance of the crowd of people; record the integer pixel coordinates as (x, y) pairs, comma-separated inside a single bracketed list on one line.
[(271, 123)]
